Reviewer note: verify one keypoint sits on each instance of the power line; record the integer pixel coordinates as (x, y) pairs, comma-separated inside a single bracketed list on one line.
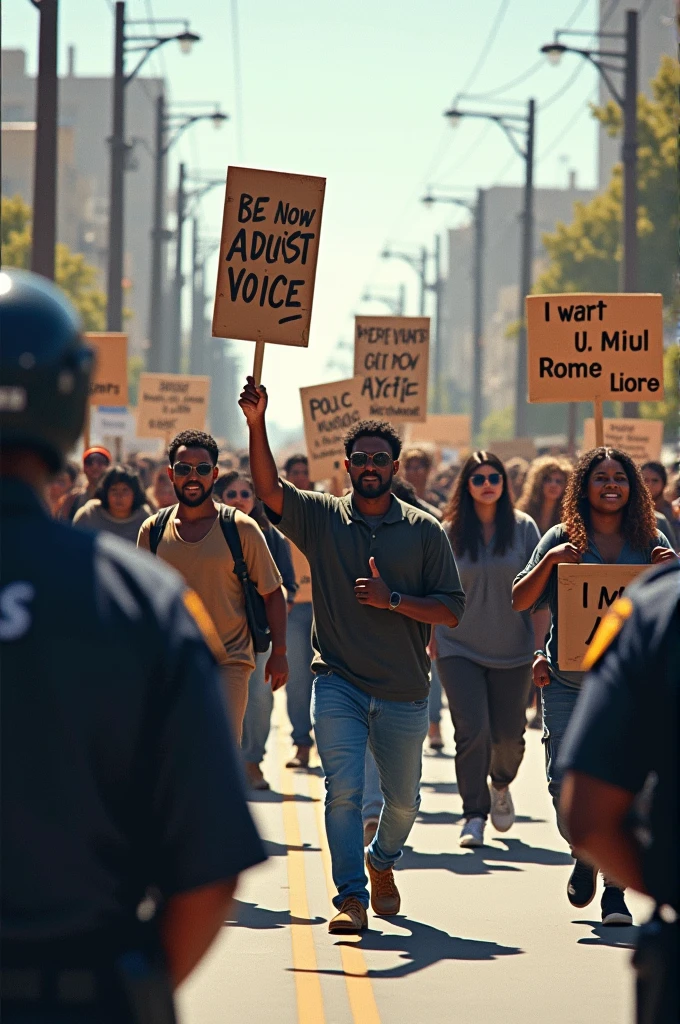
[(487, 45)]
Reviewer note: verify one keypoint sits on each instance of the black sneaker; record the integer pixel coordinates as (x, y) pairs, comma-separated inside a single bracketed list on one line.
[(614, 909), (581, 885)]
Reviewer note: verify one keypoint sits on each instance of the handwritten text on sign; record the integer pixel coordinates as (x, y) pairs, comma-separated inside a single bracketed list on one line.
[(171, 402), (583, 347), (109, 384), (391, 356), (641, 439), (584, 594), (268, 253), (329, 410)]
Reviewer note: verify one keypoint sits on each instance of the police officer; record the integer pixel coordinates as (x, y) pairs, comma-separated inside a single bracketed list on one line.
[(620, 796), (124, 826)]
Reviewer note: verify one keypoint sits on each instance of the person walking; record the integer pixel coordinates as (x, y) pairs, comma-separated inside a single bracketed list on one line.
[(96, 461), (119, 505), (192, 541), (543, 491), (119, 782), (656, 480), (485, 664), (607, 518), (383, 573)]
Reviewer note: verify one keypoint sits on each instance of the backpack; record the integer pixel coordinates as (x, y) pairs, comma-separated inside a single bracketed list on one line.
[(256, 612)]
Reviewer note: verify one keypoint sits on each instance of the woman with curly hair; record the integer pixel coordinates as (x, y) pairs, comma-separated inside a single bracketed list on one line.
[(607, 518), (485, 662), (119, 505), (543, 491)]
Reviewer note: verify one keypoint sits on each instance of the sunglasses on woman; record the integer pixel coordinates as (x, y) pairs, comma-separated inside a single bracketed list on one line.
[(185, 468), (380, 459), (478, 479), (235, 494)]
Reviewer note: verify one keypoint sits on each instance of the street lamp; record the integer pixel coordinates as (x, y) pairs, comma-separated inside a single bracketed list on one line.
[(395, 303), (477, 211), (144, 45), (169, 126), (517, 127)]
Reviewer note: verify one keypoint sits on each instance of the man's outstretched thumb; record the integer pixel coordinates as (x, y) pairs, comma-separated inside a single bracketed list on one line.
[(373, 566)]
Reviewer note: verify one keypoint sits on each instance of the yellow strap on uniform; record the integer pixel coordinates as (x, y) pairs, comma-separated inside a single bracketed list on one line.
[(201, 617), (609, 628)]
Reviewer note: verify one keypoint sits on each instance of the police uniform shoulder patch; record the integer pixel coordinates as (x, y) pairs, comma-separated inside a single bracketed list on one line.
[(206, 626), (609, 629)]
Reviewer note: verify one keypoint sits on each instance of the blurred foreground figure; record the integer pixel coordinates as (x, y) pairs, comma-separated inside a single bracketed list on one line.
[(620, 796), (123, 821)]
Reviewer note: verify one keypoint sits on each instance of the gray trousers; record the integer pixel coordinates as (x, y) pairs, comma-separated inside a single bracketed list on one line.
[(488, 710)]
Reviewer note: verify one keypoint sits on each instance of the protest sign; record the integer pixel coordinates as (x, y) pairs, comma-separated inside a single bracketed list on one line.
[(445, 431), (641, 439), (109, 383), (591, 346), (328, 411), (171, 402), (303, 576), (268, 254), (584, 593), (522, 447), (391, 356)]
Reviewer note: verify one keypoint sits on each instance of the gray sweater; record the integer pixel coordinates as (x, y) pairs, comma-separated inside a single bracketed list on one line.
[(492, 634)]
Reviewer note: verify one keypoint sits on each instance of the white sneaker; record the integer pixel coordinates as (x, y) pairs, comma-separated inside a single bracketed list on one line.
[(502, 809), (473, 833)]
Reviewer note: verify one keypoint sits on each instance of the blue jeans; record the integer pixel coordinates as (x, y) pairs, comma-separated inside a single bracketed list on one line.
[(345, 720), (301, 678), (435, 696), (258, 714), (558, 702), (372, 803)]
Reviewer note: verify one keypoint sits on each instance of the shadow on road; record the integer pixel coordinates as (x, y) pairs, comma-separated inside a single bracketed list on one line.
[(250, 915), (274, 849), (476, 862), (452, 818), (440, 787), (620, 938), (270, 796)]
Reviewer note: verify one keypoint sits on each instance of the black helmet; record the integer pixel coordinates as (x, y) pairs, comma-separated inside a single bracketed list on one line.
[(45, 367)]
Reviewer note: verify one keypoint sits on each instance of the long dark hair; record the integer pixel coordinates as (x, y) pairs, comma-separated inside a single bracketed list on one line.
[(639, 522), (462, 522), (227, 479), (121, 475)]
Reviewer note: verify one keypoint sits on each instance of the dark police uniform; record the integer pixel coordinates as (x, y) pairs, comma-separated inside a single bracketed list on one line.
[(625, 732), (118, 771)]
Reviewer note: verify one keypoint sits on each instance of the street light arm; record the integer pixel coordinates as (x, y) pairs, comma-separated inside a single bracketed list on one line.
[(187, 122), (148, 50)]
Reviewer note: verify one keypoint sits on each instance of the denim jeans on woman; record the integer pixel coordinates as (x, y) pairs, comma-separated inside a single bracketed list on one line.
[(559, 702), (345, 720)]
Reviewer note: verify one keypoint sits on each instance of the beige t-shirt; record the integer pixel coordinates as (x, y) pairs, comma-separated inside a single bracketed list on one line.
[(303, 576), (208, 568)]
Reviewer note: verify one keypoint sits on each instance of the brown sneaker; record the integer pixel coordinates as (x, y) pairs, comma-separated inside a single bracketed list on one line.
[(256, 779), (300, 759), (351, 917), (385, 898), (370, 829)]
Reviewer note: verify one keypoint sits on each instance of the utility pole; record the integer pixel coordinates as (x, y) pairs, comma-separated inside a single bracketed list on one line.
[(114, 304), (521, 405), (176, 338), (423, 279), (478, 317), (436, 287), (44, 229), (196, 351), (629, 154), (155, 359)]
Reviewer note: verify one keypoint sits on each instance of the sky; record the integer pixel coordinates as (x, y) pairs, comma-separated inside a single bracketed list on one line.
[(354, 90)]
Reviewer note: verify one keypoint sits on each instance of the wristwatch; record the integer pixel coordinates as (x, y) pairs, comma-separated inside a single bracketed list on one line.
[(395, 600), (539, 654)]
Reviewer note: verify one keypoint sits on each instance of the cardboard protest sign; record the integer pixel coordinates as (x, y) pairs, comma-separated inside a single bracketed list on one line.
[(446, 431), (522, 447), (584, 593), (641, 439), (391, 355), (303, 576), (328, 411), (171, 402), (268, 253), (109, 384), (591, 346)]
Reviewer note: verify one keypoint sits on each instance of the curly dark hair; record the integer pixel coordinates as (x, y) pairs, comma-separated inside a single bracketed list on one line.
[(373, 428), (639, 522), (121, 475), (194, 439), (461, 520)]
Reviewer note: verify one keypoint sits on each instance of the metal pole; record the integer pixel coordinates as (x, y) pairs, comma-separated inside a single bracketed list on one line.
[(521, 407), (45, 167), (478, 316), (401, 300), (438, 361), (114, 308), (156, 299), (423, 282), (629, 156), (176, 340), (197, 310)]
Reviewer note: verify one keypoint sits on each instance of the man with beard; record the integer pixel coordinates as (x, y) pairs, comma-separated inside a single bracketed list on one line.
[(382, 574), (192, 541)]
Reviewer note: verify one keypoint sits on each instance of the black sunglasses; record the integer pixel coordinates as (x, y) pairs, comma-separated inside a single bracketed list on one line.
[(185, 468), (380, 459), (235, 494), (478, 479)]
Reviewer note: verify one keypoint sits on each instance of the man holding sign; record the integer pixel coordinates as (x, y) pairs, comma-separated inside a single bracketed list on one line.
[(607, 519), (382, 574)]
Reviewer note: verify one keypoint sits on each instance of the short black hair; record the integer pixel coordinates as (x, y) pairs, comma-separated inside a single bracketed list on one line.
[(373, 428), (658, 468), (121, 475), (193, 439), (293, 460)]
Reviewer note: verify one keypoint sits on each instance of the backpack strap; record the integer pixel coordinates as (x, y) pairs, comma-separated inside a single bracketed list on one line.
[(158, 527), (231, 535)]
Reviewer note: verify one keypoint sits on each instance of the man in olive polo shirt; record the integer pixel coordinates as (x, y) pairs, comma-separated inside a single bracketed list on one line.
[(382, 574)]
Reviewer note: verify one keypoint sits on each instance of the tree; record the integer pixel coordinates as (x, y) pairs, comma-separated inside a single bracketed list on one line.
[(585, 255), (73, 274)]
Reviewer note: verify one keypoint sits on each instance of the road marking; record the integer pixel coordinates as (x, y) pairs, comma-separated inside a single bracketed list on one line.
[(307, 982), (359, 988)]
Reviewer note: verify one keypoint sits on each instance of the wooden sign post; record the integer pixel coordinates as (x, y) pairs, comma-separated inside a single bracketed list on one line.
[(641, 439), (391, 355), (171, 402), (592, 347), (584, 593), (268, 255), (328, 411)]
